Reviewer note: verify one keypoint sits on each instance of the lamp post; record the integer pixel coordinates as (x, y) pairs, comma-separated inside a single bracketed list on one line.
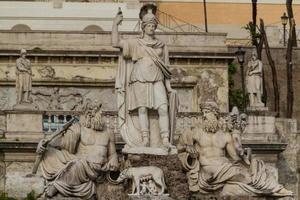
[(240, 55), (284, 20)]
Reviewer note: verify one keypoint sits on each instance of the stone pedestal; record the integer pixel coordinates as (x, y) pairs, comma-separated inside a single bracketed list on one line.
[(25, 106), (149, 197), (260, 127), (257, 108), (150, 150), (175, 178), (24, 125)]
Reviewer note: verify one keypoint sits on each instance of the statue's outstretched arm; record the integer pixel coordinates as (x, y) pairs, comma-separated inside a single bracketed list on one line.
[(231, 149), (115, 32)]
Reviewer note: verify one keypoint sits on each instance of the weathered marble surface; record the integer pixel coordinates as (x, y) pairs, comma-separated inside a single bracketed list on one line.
[(24, 125), (17, 182), (260, 128)]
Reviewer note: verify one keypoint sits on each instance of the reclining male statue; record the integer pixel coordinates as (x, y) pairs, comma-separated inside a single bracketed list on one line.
[(73, 162), (216, 163)]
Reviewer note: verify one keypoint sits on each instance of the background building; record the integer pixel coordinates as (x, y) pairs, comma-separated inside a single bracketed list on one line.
[(230, 16)]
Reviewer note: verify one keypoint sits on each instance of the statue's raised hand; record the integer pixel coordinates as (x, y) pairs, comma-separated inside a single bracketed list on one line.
[(119, 18), (41, 146), (192, 151)]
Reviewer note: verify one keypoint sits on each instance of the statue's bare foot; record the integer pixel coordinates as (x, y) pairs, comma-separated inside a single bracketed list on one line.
[(51, 190), (285, 192), (167, 144), (260, 104)]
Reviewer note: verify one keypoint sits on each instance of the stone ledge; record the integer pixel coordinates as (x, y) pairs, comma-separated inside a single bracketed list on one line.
[(30, 146), (149, 197), (216, 197), (150, 150), (265, 148)]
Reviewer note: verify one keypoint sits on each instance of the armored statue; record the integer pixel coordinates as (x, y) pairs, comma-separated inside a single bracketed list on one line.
[(216, 162), (23, 78), (143, 85), (75, 161), (254, 81)]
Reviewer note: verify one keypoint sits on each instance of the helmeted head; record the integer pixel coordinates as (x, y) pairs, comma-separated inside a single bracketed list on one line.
[(148, 18), (23, 53)]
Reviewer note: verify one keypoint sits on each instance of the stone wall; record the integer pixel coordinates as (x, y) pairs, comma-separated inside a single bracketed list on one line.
[(288, 161), (61, 64), (278, 55), (287, 164)]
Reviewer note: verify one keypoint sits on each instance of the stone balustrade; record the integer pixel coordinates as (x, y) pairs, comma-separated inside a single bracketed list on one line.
[(54, 120)]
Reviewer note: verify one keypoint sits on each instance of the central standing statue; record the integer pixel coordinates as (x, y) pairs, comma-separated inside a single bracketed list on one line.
[(143, 85)]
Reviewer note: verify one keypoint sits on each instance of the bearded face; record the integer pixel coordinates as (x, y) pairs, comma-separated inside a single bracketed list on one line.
[(211, 122), (93, 120)]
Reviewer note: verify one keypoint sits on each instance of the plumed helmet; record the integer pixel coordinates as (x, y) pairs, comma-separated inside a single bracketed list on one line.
[(147, 14), (23, 51)]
